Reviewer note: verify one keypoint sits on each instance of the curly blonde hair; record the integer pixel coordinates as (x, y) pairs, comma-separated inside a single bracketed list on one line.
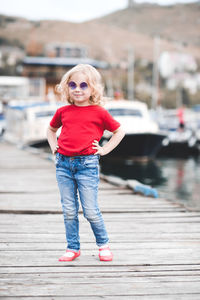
[(94, 81)]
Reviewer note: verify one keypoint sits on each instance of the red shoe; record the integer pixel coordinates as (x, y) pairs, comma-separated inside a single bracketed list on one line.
[(70, 255), (105, 254)]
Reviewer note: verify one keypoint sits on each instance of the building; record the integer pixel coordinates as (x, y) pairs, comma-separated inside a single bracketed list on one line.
[(58, 60), (66, 50)]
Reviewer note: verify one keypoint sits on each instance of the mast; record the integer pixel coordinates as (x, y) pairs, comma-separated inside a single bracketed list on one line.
[(130, 3), (155, 79), (130, 74)]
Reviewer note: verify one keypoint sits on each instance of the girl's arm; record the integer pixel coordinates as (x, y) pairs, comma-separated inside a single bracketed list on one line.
[(52, 139), (111, 144)]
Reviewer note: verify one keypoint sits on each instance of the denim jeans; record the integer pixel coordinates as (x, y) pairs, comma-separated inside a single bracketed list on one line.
[(79, 175)]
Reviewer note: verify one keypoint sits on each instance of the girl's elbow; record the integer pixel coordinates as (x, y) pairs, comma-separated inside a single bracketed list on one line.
[(48, 129), (122, 131), (123, 134)]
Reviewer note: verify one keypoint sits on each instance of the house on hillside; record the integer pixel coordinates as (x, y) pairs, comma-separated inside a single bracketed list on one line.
[(66, 50), (179, 70), (58, 59), (175, 62)]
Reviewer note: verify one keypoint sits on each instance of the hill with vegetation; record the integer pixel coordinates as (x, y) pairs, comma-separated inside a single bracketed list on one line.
[(109, 38)]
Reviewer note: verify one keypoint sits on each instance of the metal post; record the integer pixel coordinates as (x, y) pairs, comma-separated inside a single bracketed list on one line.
[(155, 78), (130, 74)]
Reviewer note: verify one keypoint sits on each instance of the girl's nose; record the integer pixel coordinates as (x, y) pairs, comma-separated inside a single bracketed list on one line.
[(77, 88)]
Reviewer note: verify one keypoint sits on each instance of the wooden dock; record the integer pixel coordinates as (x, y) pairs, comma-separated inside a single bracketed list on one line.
[(156, 243)]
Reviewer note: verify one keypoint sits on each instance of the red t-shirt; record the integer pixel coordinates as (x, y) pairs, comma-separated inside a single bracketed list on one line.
[(81, 125)]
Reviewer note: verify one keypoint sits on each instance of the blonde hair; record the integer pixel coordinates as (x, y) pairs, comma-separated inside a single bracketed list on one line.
[(94, 81)]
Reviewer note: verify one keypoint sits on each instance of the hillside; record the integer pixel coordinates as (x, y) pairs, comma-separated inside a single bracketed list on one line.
[(176, 22), (109, 38)]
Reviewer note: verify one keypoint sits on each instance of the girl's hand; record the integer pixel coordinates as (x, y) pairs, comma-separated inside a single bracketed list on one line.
[(55, 149), (99, 149)]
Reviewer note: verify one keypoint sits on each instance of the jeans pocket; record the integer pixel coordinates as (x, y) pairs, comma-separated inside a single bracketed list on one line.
[(92, 162)]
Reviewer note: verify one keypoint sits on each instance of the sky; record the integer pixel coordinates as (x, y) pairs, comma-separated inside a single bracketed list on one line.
[(69, 10)]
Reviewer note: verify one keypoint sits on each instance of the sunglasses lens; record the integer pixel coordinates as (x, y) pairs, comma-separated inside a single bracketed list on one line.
[(72, 85), (83, 85)]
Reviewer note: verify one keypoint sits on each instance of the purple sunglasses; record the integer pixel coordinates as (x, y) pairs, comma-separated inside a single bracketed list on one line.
[(72, 85)]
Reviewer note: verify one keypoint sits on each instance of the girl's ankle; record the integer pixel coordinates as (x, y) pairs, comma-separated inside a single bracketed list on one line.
[(104, 246)]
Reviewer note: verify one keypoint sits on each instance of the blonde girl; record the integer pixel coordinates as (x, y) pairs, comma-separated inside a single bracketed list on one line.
[(77, 152)]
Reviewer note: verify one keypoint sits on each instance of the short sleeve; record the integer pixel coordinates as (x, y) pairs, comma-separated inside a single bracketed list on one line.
[(110, 123), (56, 121)]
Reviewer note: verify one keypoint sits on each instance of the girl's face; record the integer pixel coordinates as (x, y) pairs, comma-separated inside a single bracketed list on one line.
[(79, 89)]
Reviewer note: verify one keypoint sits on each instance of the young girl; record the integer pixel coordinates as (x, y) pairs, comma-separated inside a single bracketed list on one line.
[(77, 154)]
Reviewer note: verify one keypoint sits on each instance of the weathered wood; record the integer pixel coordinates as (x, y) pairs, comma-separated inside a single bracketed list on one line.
[(170, 217), (86, 279), (58, 246), (131, 257), (121, 297), (156, 242), (132, 228), (104, 268), (102, 288)]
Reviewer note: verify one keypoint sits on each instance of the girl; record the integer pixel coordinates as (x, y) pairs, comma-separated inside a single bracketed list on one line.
[(77, 154)]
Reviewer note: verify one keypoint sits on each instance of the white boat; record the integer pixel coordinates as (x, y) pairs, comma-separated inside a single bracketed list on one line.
[(27, 121), (17, 88), (2, 121), (142, 139)]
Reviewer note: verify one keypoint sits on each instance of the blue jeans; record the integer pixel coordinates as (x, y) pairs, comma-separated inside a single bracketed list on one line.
[(80, 175)]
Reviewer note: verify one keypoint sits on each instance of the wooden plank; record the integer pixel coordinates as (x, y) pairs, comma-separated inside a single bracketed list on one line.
[(131, 257), (109, 278), (130, 201), (116, 236), (134, 245), (38, 202), (102, 288), (132, 229), (121, 297), (58, 225), (104, 268), (136, 297), (122, 216)]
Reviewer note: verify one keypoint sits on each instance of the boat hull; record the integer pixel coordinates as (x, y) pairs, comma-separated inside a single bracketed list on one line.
[(138, 145), (180, 144), (179, 149)]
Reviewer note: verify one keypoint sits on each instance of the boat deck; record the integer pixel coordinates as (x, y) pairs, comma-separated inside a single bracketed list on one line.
[(156, 243)]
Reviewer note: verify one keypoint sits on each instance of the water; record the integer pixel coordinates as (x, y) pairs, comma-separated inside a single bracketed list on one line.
[(175, 179)]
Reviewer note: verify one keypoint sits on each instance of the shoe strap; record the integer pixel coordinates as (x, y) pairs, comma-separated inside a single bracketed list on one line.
[(106, 248), (68, 250)]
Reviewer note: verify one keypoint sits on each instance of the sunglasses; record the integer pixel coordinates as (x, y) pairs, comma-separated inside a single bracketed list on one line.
[(72, 85)]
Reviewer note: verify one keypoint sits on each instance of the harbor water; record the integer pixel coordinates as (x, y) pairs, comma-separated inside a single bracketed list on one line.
[(176, 179)]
